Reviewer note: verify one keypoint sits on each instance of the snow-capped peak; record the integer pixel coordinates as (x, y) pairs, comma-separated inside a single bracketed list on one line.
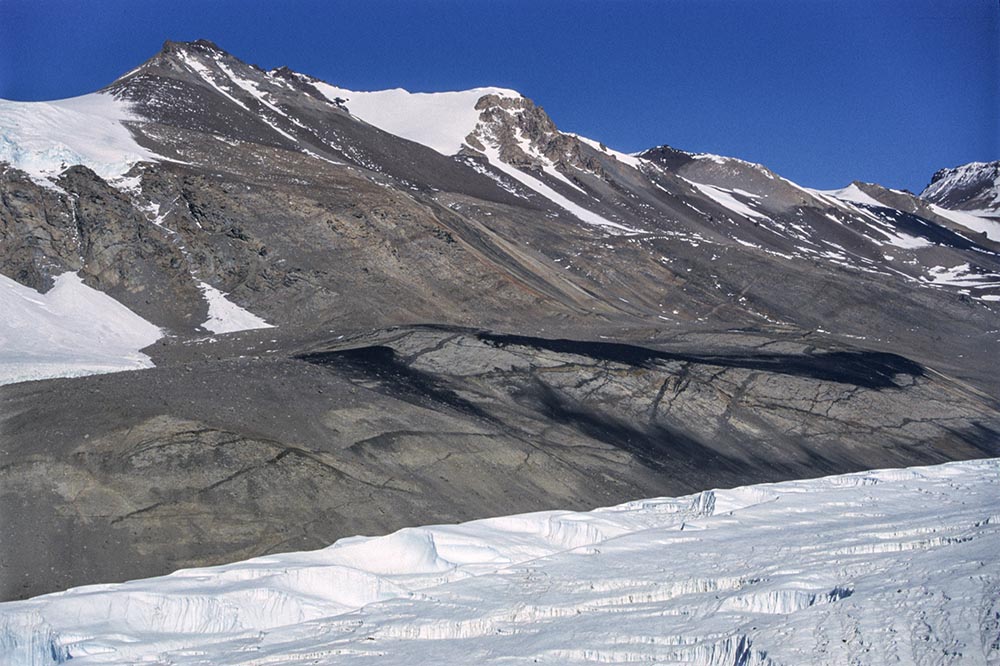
[(490, 122), (974, 187)]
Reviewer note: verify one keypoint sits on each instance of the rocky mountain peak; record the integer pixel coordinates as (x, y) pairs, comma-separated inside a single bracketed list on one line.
[(199, 86), (972, 169), (667, 156), (198, 59), (972, 186), (202, 45), (525, 136), (287, 73)]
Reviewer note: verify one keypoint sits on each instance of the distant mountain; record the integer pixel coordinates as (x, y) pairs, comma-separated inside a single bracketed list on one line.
[(369, 310), (974, 187)]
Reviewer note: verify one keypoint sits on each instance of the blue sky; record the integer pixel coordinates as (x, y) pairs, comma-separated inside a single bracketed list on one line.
[(822, 92)]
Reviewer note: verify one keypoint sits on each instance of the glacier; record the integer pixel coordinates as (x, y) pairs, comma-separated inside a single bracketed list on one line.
[(43, 138), (887, 566)]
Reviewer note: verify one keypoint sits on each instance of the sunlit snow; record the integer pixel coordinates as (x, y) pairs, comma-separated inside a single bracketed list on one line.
[(69, 331), (725, 199), (443, 121), (962, 275), (970, 221), (631, 160), (854, 194), (856, 201), (43, 138), (892, 566), (224, 316), (963, 177), (440, 120), (538, 186)]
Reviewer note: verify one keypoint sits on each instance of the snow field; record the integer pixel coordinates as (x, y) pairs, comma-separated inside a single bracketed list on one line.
[(69, 331), (974, 223), (43, 138), (891, 566), (440, 121), (74, 330)]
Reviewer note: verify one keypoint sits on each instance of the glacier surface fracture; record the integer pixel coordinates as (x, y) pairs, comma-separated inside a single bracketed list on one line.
[(891, 566)]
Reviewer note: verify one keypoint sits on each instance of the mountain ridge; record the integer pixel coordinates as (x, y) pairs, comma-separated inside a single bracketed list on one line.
[(974, 186)]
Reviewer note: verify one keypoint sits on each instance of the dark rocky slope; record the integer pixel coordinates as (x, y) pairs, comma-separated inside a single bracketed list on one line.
[(120, 476)]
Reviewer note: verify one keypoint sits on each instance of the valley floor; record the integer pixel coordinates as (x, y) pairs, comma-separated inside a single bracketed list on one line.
[(882, 567)]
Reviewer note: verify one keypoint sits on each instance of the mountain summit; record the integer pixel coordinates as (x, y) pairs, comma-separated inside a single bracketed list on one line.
[(974, 187)]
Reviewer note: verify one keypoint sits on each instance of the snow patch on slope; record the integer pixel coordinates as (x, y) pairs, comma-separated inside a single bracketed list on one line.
[(857, 202), (440, 121), (69, 331), (538, 186), (963, 275), (970, 221), (224, 316), (43, 138), (854, 194), (633, 161), (726, 199), (904, 565)]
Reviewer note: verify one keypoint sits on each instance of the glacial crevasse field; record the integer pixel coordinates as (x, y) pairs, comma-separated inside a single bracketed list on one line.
[(881, 567)]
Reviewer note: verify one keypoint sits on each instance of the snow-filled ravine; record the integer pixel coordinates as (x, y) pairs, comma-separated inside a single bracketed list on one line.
[(68, 331), (883, 567)]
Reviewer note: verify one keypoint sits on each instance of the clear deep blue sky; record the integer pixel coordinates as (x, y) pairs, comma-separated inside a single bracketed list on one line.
[(822, 92)]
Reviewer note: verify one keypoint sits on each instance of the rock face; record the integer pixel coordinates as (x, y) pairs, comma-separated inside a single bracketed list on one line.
[(973, 186), (534, 322), (525, 137)]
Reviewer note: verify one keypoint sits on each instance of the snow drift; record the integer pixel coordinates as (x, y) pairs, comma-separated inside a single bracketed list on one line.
[(69, 331)]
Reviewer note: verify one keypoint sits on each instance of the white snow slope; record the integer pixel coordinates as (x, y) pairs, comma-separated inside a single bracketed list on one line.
[(973, 223), (439, 120), (70, 330), (224, 316), (892, 566), (854, 194), (43, 138)]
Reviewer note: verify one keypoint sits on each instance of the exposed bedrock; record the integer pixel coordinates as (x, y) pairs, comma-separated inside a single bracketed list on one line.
[(119, 476)]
